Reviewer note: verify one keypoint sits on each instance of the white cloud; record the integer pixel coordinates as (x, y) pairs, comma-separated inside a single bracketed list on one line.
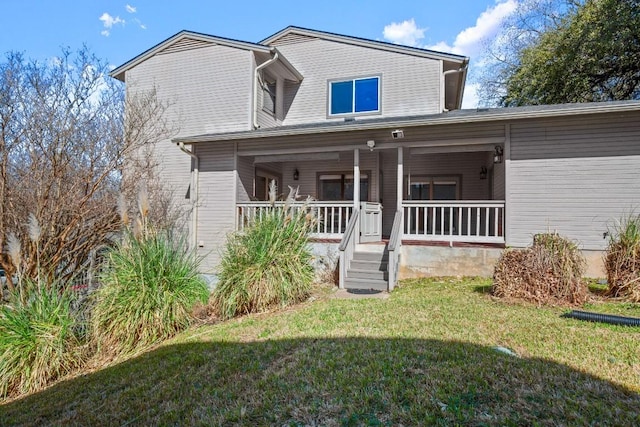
[(108, 22), (405, 32), (130, 9), (140, 24), (470, 98), (470, 41)]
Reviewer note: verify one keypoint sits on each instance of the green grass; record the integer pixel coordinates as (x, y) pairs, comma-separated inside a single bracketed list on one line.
[(422, 356)]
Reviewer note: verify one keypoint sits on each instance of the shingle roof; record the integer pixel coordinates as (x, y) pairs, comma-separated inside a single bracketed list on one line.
[(452, 117)]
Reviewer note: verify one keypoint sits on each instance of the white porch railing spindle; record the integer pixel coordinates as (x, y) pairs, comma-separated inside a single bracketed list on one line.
[(486, 221), (436, 220), (332, 217)]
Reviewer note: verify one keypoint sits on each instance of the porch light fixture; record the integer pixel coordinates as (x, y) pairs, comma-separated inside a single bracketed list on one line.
[(483, 172), (497, 155), (296, 175), (371, 143)]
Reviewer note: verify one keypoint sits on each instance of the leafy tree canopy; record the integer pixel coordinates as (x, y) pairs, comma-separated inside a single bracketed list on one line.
[(592, 54)]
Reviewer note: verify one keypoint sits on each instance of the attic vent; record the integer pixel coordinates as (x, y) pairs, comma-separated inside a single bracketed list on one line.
[(185, 44), (292, 38)]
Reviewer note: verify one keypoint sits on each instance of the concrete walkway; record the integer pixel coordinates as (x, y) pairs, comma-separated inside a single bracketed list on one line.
[(359, 294)]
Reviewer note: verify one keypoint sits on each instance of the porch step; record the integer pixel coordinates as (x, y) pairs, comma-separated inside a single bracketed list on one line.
[(354, 273), (375, 284), (371, 256), (368, 270), (368, 265)]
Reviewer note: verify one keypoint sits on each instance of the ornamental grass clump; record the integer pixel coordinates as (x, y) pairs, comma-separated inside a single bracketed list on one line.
[(150, 286), (622, 260), (39, 341), (268, 264), (549, 272)]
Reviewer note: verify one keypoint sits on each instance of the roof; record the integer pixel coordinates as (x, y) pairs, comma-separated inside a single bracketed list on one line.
[(118, 72), (263, 46), (358, 41), (453, 117)]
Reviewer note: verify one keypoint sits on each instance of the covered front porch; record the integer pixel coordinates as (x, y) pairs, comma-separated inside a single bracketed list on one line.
[(386, 194)]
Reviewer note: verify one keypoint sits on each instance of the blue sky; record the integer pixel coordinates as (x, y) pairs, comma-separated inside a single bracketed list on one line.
[(119, 30)]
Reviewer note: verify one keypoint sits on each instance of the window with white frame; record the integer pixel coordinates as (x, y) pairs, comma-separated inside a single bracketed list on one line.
[(354, 96), (420, 187), (339, 186)]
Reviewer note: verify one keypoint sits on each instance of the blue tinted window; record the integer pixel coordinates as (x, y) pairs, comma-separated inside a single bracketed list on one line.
[(342, 97), (366, 95), (355, 96)]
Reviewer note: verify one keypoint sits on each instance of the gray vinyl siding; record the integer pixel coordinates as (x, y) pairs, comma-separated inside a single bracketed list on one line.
[(410, 84), (216, 210), (208, 89), (575, 176), (246, 172), (498, 178)]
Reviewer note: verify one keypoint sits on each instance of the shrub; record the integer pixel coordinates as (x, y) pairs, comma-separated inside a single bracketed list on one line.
[(622, 260), (550, 271), (150, 285), (267, 265), (38, 340)]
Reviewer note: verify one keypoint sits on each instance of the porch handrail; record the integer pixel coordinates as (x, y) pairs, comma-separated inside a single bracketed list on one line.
[(332, 216), (454, 203), (395, 243), (347, 246), (481, 221), (296, 203)]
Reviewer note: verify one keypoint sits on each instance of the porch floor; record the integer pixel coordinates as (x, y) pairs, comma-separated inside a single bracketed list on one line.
[(385, 240)]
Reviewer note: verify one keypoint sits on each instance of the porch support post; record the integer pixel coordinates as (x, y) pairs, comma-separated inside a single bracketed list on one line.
[(399, 195), (356, 179)]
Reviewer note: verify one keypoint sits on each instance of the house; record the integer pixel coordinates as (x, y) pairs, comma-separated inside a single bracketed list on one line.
[(405, 182)]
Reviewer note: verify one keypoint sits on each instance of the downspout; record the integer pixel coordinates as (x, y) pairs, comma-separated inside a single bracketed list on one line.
[(194, 192), (256, 75)]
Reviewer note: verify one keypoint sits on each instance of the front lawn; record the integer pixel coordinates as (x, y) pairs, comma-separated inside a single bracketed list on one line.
[(423, 356)]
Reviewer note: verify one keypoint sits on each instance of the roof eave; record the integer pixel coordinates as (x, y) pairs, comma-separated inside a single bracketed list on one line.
[(500, 114), (364, 42), (289, 66), (119, 72)]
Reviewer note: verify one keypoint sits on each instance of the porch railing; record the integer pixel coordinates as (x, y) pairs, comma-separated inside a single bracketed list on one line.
[(454, 221), (347, 247), (332, 217), (395, 243)]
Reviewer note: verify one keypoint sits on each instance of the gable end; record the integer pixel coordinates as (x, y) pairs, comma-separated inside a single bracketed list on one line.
[(185, 44), (292, 38)]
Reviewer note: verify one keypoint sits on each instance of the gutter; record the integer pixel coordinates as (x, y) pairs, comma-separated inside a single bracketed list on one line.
[(194, 192), (256, 80), (461, 80)]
